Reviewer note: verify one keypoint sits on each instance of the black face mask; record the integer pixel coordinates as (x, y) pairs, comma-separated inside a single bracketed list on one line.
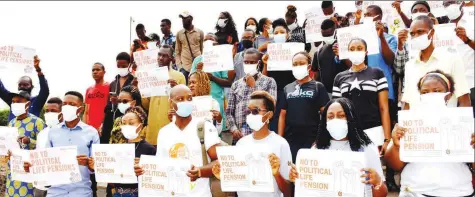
[(24, 89), (247, 44)]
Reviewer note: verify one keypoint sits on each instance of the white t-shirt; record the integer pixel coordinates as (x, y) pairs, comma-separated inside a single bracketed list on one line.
[(185, 144), (280, 147), (467, 54)]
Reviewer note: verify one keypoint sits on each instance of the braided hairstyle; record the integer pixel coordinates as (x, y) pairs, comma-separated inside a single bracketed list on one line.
[(134, 93), (203, 85), (141, 115)]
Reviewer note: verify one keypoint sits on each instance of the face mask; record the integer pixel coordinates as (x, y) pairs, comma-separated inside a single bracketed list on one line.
[(123, 107), (270, 30), (250, 69), (222, 22), (293, 26), (247, 44), (368, 20), (421, 42), (18, 109), (129, 131), (123, 71), (357, 57), (208, 44), (184, 109), (255, 122), (279, 38), (70, 113), (329, 39), (434, 99), (337, 128), (453, 11), (300, 72), (52, 119), (252, 27), (415, 15)]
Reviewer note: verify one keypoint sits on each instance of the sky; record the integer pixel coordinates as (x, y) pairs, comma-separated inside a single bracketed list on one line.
[(69, 37)]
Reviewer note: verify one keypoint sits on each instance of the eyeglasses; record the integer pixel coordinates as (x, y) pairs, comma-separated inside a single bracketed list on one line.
[(125, 101), (255, 111)]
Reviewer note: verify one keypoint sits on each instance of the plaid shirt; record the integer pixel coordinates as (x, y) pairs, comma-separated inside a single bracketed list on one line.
[(239, 95), (169, 41), (402, 57)]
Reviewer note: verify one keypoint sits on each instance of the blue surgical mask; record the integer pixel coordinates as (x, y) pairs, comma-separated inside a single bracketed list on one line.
[(184, 108), (280, 38)]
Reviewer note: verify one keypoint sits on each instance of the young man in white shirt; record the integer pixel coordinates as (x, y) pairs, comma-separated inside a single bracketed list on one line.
[(179, 139)]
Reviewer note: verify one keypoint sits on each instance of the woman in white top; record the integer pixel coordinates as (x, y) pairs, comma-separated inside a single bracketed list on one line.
[(340, 129), (431, 179)]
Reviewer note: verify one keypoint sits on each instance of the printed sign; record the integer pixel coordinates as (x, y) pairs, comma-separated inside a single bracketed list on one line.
[(153, 82), (146, 59), (313, 31), (218, 58), (17, 159), (390, 16), (164, 177), (245, 169), (437, 135), (55, 166), (8, 139), (202, 106), (18, 58), (281, 54), (325, 173), (366, 32), (445, 36), (114, 163)]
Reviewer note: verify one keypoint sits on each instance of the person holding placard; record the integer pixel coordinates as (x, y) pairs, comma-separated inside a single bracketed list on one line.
[(226, 31), (141, 43), (302, 106), (129, 97), (261, 106), (340, 130), (431, 179), (418, 8)]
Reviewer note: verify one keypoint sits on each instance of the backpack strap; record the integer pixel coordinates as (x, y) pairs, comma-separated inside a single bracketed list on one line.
[(201, 135)]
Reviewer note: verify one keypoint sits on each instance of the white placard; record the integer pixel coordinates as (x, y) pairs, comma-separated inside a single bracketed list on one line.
[(8, 139), (17, 159), (445, 36), (164, 177), (281, 54), (55, 166), (366, 32), (202, 106), (151, 45), (437, 8), (313, 31), (245, 169), (325, 173), (218, 58), (153, 81), (146, 59), (114, 163), (390, 15), (17, 58), (437, 135), (467, 21)]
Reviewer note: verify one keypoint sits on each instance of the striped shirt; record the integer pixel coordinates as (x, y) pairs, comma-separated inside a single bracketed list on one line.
[(362, 89)]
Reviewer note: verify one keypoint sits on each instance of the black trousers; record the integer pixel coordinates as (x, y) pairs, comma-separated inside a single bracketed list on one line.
[(93, 185)]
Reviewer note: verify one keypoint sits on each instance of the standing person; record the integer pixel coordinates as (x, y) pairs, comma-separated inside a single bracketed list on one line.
[(247, 41), (28, 128), (297, 33), (141, 43), (302, 106), (241, 90), (129, 97), (26, 84), (226, 31), (189, 44), (265, 33), (111, 111), (367, 88), (168, 37), (340, 130), (430, 178), (157, 106), (251, 24), (418, 8), (96, 98), (261, 106)]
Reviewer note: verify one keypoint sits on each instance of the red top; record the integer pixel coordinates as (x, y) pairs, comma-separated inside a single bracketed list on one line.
[(96, 100)]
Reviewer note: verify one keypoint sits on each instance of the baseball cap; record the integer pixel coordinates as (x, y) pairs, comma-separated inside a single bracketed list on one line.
[(185, 14), (21, 93)]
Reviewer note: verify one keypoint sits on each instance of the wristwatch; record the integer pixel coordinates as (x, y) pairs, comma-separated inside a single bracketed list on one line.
[(387, 140)]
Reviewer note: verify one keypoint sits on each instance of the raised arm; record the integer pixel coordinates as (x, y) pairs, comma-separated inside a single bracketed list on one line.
[(44, 88)]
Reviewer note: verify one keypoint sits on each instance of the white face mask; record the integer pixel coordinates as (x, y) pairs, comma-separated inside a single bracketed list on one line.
[(368, 20), (329, 39), (129, 131), (434, 99), (208, 44), (123, 106), (453, 11), (270, 30), (357, 57), (252, 27), (421, 42), (337, 128), (184, 108), (255, 121), (415, 15), (222, 22), (18, 109), (293, 26), (70, 113), (280, 38), (52, 119), (250, 69), (123, 71), (300, 72)]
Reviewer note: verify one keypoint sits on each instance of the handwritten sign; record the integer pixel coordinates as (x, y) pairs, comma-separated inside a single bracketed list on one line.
[(146, 59), (245, 169), (17, 159), (8, 139), (313, 31), (55, 166), (366, 32), (153, 82), (445, 36), (18, 58), (114, 163), (325, 173), (437, 135), (281, 54), (202, 106), (437, 8), (164, 177), (218, 58)]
